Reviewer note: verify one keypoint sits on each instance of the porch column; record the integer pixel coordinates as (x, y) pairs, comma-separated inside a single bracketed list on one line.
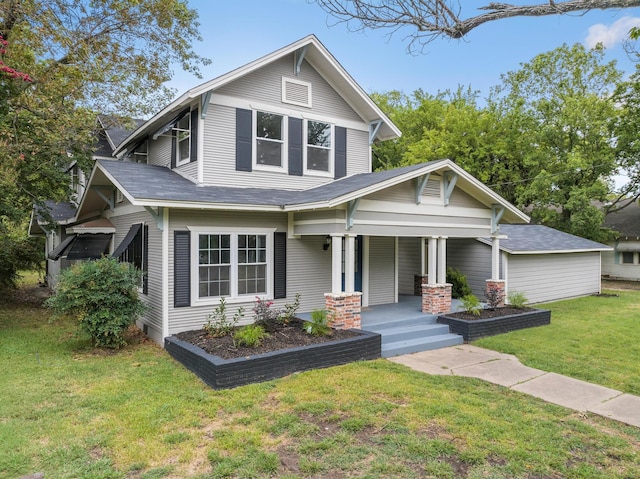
[(436, 295), (433, 259), (442, 260), (336, 264), (422, 277), (495, 290), (349, 263), (495, 258)]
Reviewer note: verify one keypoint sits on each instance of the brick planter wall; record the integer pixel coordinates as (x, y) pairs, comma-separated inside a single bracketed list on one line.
[(472, 329), (436, 298), (344, 310), (221, 373)]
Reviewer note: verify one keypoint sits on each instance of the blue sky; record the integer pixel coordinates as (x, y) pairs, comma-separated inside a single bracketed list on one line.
[(236, 32)]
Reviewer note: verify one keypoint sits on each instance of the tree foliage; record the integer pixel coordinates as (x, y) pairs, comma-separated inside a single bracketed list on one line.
[(427, 20), (79, 58)]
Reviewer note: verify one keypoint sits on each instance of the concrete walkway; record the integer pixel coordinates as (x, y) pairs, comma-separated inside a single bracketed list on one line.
[(506, 370)]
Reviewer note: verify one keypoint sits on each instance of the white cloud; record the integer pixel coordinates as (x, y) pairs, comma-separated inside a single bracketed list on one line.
[(609, 36)]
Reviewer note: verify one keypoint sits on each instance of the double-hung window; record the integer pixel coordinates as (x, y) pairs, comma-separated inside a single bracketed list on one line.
[(319, 147), (270, 138), (233, 264), (183, 144)]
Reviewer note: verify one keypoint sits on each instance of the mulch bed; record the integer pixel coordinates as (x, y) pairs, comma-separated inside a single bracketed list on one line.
[(281, 336), (489, 313)]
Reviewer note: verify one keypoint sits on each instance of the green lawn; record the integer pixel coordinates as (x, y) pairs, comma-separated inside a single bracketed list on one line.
[(71, 411), (596, 339)]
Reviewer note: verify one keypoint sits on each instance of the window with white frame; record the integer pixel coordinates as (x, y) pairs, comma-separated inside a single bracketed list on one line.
[(270, 136), (628, 257), (233, 264), (183, 135), (319, 146)]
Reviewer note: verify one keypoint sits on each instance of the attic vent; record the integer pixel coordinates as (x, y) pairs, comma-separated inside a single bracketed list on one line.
[(432, 190), (296, 92), (119, 196)]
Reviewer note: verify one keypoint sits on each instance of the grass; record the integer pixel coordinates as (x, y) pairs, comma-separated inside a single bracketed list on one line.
[(596, 339), (71, 411)]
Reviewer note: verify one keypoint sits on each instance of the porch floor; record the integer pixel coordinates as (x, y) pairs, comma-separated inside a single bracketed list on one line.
[(407, 307)]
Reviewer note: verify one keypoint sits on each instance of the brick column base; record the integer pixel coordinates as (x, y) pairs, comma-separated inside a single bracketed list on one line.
[(418, 281), (344, 309), (496, 287), (436, 298)]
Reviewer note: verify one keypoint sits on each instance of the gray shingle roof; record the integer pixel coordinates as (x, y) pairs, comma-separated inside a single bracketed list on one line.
[(539, 238), (626, 221), (158, 183), (60, 211)]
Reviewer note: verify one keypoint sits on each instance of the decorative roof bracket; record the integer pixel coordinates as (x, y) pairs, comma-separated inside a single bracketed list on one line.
[(107, 194), (496, 215), (204, 103), (299, 57), (374, 126), (421, 183), (352, 206), (158, 216), (449, 178)]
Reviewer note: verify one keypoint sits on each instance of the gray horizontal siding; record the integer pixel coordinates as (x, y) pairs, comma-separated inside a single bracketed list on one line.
[(381, 270), (408, 263), (551, 277), (160, 151), (308, 271), (611, 266), (473, 259)]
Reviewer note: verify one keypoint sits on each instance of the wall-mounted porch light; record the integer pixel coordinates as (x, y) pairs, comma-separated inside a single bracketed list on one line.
[(327, 243)]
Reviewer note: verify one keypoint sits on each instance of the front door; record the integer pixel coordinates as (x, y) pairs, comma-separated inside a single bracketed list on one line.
[(357, 277)]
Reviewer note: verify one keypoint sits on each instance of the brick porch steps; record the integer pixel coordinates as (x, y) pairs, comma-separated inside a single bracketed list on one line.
[(412, 335)]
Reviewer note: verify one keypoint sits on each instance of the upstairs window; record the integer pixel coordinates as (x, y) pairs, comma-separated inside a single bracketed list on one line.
[(319, 147), (269, 139), (183, 143)]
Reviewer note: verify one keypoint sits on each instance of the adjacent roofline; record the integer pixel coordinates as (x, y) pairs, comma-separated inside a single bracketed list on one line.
[(219, 81)]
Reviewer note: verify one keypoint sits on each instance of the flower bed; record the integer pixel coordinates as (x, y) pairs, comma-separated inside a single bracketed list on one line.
[(472, 329), (228, 373)]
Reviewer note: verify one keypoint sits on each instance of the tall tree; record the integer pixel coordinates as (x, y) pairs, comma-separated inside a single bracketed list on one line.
[(81, 58), (565, 105), (431, 19)]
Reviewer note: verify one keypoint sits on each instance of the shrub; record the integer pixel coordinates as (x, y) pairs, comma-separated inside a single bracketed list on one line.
[(517, 299), (459, 285), (319, 323), (217, 323), (103, 296), (290, 310), (250, 336), (264, 315), (471, 304)]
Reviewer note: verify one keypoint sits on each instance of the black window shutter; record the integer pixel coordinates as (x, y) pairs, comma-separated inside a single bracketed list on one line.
[(181, 269), (194, 136), (174, 146), (145, 259), (340, 169), (244, 139), (279, 265), (295, 146)]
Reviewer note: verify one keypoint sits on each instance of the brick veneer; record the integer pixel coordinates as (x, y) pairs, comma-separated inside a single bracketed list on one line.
[(418, 281), (498, 285), (344, 309), (436, 298)]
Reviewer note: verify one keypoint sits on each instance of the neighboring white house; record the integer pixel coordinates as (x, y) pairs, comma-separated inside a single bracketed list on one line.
[(623, 261), (259, 183)]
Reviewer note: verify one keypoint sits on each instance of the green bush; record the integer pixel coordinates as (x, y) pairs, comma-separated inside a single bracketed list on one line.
[(218, 325), (517, 299), (250, 336), (471, 304), (319, 323), (459, 285), (103, 296)]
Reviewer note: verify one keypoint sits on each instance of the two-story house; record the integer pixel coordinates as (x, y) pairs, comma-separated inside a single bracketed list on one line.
[(259, 183)]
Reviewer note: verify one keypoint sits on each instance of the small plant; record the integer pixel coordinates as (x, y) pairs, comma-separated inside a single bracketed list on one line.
[(218, 325), (494, 297), (517, 299), (250, 336), (290, 310), (459, 285), (319, 323), (264, 315), (471, 304), (103, 296)]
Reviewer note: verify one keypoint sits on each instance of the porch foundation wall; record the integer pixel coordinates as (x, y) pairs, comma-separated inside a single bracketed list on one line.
[(496, 287), (345, 310), (436, 298), (418, 281)]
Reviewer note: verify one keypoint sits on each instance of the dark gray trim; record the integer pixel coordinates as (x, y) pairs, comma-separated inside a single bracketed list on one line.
[(193, 154), (90, 246), (174, 147), (61, 249), (244, 140), (124, 244), (296, 146), (340, 158), (181, 269), (145, 260), (279, 265)]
